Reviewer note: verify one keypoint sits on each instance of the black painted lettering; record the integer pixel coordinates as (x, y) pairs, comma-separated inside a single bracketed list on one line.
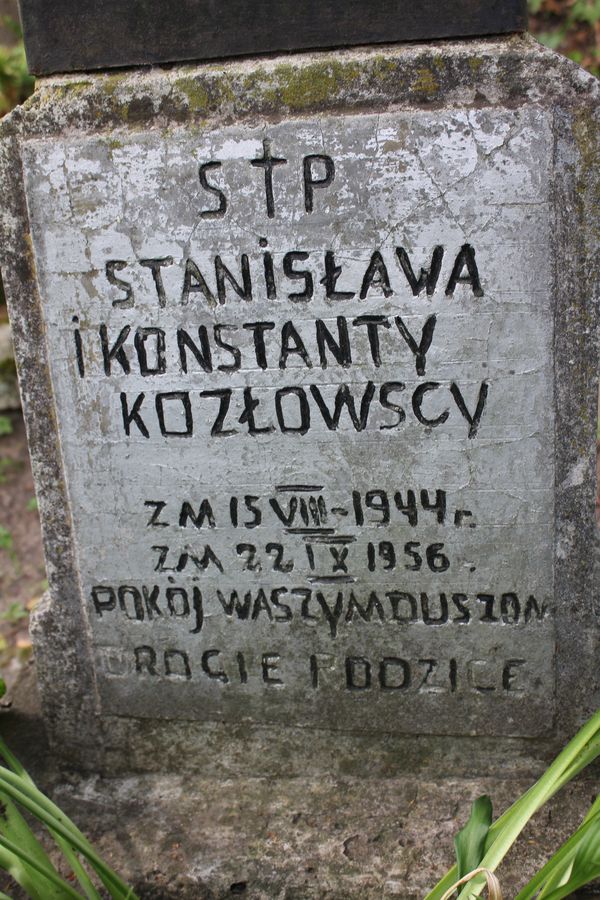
[(420, 349), (292, 344), (182, 397), (303, 417), (220, 211), (417, 404), (163, 553), (269, 272), (124, 591), (465, 260), (373, 323), (195, 283), (391, 387), (133, 415), (117, 351), (394, 674), (428, 278), (269, 665), (118, 265), (140, 342), (488, 601), (510, 609), (332, 273), (205, 514), (78, 349), (201, 353), (430, 619), (366, 613), (250, 502), (150, 596), (460, 601), (215, 674), (397, 598), (282, 612), (345, 399), (155, 265), (198, 610), (376, 276), (223, 345), (145, 660), (358, 673), (233, 604), (103, 605), (258, 333), (533, 610), (332, 614), (298, 275), (177, 660), (223, 274), (178, 603), (438, 506), (247, 416), (157, 506), (268, 162), (241, 661), (311, 182), (408, 509), (475, 419), (340, 348), (510, 674), (224, 397)]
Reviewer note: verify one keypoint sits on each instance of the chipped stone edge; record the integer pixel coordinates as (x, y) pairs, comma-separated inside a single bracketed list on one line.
[(446, 74)]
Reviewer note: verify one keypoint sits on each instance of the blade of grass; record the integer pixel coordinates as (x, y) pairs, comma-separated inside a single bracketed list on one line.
[(579, 752), (71, 857), (586, 864), (569, 760), (14, 827), (48, 874), (23, 875), (548, 875), (28, 796)]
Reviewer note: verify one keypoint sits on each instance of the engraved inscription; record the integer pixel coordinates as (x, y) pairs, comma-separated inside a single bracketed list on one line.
[(304, 375)]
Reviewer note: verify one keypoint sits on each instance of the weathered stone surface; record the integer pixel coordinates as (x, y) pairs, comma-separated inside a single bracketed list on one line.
[(417, 625), (196, 836)]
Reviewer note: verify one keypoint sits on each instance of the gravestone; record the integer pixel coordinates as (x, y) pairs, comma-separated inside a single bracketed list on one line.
[(308, 355)]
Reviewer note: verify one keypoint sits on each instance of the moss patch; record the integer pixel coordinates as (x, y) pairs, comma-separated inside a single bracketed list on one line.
[(426, 82), (196, 93)]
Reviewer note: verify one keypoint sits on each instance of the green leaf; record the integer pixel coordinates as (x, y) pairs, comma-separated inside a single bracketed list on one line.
[(5, 426), (579, 753), (21, 789), (48, 883), (585, 866), (32, 504), (14, 613), (25, 867), (469, 843), (6, 540)]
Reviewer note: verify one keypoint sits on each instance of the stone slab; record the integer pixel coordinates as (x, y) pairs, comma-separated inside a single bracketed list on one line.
[(107, 33), (485, 150)]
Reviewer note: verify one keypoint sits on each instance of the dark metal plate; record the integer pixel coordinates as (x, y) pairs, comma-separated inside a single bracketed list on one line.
[(71, 35)]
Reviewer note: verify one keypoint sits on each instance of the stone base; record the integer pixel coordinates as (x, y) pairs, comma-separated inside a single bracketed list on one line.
[(189, 836)]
